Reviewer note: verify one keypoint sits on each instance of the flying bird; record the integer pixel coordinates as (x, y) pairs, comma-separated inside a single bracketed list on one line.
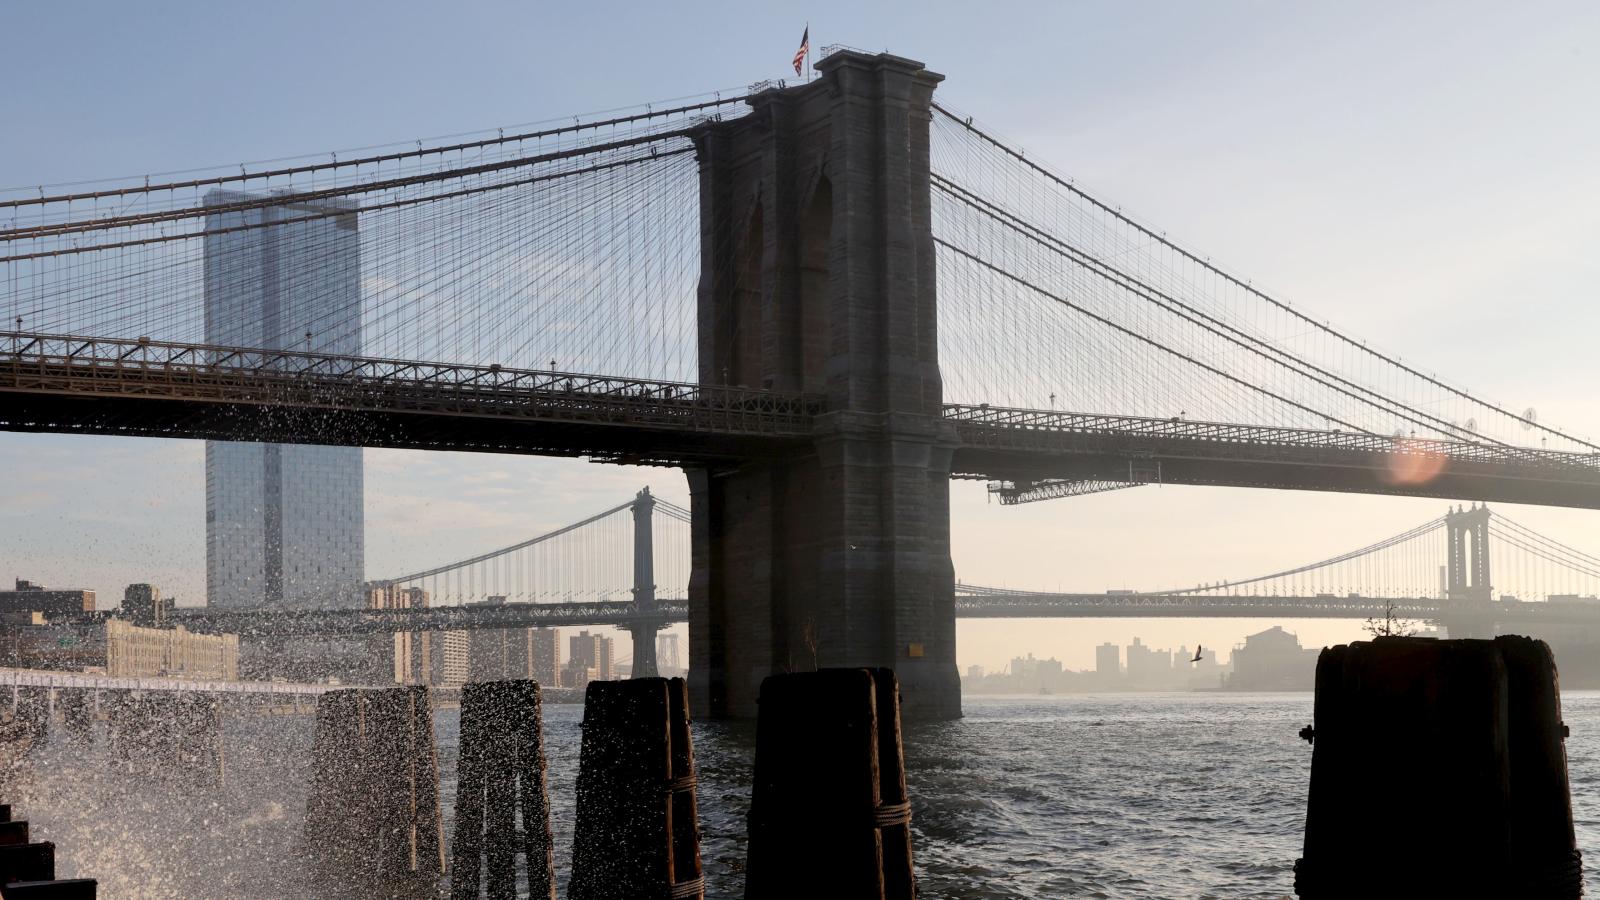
[(1197, 650)]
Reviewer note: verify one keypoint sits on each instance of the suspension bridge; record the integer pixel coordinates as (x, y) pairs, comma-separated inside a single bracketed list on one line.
[(606, 570), (822, 301)]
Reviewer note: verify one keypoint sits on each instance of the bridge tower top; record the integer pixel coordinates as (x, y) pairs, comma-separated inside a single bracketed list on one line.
[(817, 243), (1467, 576)]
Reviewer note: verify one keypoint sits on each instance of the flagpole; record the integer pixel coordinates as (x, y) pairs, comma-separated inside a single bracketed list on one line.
[(809, 72)]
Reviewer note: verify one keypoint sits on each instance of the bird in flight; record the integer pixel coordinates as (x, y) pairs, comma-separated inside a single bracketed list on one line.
[(1197, 651)]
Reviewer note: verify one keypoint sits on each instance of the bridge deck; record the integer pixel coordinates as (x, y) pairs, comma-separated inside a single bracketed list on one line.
[(973, 605), (54, 383), (1026, 445)]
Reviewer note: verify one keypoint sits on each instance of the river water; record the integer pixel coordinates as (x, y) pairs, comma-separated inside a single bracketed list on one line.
[(1116, 795)]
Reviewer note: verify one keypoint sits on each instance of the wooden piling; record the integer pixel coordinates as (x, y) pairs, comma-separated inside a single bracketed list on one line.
[(501, 768), (1492, 814), (830, 786), (636, 835), (372, 817)]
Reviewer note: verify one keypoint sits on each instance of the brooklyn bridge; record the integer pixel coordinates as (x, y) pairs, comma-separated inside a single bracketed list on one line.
[(822, 302)]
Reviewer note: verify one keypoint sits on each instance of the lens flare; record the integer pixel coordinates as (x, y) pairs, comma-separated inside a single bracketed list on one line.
[(1412, 463)]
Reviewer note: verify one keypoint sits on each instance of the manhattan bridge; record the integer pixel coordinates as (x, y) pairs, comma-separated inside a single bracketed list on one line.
[(822, 302)]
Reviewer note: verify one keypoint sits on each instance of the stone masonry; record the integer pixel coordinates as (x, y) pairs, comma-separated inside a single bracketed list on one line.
[(817, 274)]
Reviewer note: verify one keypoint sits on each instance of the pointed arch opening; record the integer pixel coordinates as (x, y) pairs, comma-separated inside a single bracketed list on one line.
[(816, 297), (744, 344)]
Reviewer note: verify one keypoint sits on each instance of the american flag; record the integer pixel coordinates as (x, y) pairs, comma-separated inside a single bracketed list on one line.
[(805, 48)]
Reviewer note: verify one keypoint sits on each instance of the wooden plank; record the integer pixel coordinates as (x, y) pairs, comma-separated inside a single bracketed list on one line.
[(501, 769), (65, 889), (894, 809), (683, 814)]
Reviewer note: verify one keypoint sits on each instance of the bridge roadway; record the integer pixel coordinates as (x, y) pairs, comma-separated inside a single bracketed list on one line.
[(63, 384), (989, 604)]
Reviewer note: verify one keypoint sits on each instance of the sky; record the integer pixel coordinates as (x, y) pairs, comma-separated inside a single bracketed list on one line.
[(1422, 175)]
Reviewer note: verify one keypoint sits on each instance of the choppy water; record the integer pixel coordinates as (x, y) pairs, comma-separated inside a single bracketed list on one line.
[(1121, 795)]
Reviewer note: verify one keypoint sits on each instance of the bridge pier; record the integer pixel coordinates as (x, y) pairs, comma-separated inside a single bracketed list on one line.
[(818, 276), (645, 625)]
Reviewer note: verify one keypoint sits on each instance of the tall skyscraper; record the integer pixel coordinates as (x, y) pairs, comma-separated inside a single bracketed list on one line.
[(284, 522)]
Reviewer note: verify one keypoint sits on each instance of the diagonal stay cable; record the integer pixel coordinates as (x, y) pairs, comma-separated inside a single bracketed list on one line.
[(309, 197), (511, 549), (1204, 320), (1153, 236), (498, 140), (1147, 340), (1384, 544)]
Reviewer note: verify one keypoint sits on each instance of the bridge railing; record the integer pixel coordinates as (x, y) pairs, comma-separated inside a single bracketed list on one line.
[(1018, 428), (38, 678), (259, 623), (121, 366)]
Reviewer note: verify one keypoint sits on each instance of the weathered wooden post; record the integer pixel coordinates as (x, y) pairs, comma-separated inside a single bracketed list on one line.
[(636, 835), (830, 786), (372, 819), (1490, 815), (501, 768)]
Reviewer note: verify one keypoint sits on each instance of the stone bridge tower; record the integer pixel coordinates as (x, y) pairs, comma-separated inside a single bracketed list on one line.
[(817, 274)]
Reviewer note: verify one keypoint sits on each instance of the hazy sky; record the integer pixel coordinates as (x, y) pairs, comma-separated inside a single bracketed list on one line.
[(1422, 175)]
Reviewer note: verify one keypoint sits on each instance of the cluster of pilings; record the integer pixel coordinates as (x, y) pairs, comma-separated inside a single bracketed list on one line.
[(829, 785)]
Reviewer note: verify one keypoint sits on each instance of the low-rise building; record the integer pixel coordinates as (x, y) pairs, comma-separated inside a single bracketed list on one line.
[(1273, 660), (29, 597), (592, 652), (132, 651), (142, 604)]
